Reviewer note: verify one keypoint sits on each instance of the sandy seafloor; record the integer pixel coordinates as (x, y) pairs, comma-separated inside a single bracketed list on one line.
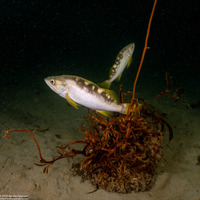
[(178, 176)]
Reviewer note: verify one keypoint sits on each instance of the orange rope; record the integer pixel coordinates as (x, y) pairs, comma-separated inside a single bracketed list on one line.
[(144, 51)]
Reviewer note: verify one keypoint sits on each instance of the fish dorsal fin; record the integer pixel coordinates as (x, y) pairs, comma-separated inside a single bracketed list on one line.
[(105, 113), (106, 84), (71, 102), (129, 61)]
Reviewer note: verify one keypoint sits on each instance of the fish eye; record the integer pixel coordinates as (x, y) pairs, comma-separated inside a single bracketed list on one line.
[(52, 81)]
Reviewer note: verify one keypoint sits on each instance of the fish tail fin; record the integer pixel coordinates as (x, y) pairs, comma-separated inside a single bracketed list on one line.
[(125, 108), (105, 84), (133, 110)]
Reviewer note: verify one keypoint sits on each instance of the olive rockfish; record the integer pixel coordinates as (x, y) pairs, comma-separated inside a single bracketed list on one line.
[(79, 91), (122, 60)]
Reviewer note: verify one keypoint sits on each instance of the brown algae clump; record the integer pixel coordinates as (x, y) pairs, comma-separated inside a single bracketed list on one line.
[(122, 153)]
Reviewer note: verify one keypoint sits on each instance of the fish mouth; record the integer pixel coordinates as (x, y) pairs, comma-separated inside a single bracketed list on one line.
[(45, 79), (53, 87), (132, 47), (47, 82)]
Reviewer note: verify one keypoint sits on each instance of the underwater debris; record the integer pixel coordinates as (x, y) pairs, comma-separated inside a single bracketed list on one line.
[(178, 95)]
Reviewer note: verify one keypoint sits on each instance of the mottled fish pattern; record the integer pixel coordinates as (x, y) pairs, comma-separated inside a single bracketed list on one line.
[(122, 60), (79, 91)]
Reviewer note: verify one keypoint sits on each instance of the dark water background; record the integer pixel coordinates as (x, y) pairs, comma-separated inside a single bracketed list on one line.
[(41, 38)]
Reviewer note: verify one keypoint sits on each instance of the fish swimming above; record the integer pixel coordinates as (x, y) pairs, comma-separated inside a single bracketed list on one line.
[(79, 91), (122, 60)]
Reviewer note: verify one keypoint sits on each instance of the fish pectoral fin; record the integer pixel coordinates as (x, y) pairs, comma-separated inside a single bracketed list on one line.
[(105, 113), (71, 102), (119, 77), (129, 61)]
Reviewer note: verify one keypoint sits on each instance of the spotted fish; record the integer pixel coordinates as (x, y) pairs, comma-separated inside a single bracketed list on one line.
[(79, 91), (122, 60)]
